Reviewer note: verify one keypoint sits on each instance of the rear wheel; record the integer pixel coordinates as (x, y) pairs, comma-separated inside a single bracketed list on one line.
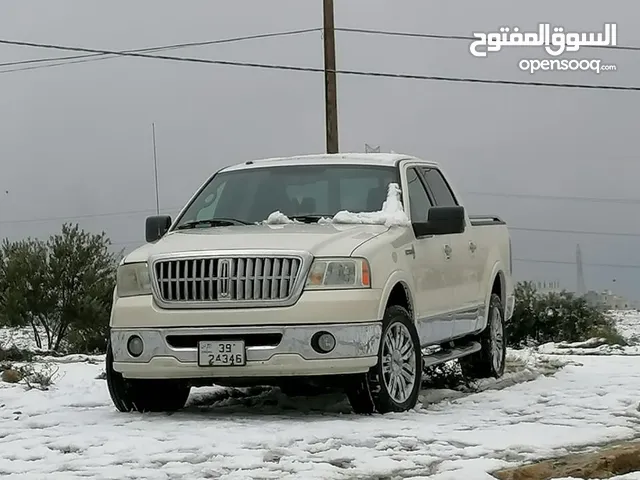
[(144, 395), (490, 360), (393, 384)]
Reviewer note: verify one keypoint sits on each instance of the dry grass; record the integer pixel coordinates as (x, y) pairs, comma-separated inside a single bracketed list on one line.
[(605, 463)]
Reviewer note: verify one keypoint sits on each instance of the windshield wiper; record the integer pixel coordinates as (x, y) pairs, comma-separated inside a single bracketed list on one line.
[(309, 218), (212, 222)]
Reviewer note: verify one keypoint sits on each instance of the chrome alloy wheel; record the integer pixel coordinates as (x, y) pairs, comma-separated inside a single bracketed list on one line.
[(398, 362)]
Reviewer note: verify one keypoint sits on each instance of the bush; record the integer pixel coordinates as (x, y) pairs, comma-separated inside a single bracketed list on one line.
[(556, 317), (62, 287)]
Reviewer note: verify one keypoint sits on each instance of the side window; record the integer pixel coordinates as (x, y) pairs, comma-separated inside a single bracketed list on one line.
[(419, 203), (439, 188)]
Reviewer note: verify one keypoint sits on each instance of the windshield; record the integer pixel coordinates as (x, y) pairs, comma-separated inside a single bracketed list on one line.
[(251, 195)]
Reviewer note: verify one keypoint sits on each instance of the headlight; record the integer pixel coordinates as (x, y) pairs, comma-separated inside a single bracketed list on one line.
[(133, 279), (333, 273)]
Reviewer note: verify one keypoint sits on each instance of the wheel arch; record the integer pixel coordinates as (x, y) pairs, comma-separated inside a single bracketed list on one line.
[(498, 286), (398, 291)]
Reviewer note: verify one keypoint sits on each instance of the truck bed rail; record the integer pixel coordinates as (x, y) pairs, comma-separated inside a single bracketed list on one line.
[(485, 220)]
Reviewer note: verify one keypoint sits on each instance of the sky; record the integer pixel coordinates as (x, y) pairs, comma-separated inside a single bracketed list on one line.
[(76, 143)]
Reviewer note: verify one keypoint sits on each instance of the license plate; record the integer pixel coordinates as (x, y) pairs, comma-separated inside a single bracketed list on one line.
[(221, 354)]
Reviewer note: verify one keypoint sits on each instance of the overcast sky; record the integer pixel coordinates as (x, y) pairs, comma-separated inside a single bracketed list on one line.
[(75, 140)]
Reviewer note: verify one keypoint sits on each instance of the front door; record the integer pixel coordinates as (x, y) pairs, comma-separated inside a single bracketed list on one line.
[(463, 269), (429, 268)]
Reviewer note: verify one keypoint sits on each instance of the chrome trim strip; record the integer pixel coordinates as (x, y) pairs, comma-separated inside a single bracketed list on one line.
[(353, 340), (305, 258), (440, 328)]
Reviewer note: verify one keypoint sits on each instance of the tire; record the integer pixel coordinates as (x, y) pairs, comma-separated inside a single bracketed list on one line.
[(490, 360), (144, 395), (376, 391)]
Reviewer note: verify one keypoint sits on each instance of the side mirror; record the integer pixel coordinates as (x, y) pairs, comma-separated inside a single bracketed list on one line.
[(156, 227), (441, 221)]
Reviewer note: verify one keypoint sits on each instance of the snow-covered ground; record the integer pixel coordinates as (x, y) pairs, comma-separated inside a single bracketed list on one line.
[(628, 323), (536, 411)]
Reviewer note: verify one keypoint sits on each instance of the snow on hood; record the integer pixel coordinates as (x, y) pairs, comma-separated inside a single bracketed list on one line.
[(391, 214)]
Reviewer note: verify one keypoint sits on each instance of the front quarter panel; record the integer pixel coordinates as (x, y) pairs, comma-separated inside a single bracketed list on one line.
[(389, 264)]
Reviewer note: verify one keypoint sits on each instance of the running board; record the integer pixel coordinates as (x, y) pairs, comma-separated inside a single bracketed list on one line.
[(443, 356)]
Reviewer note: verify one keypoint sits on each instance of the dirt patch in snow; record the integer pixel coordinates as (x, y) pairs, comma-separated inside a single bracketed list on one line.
[(607, 462)]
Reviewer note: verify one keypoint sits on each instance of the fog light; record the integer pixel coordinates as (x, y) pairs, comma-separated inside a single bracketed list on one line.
[(323, 342), (135, 346)]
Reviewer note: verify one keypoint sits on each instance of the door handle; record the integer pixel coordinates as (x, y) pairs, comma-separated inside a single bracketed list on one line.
[(472, 247), (411, 251), (447, 251)]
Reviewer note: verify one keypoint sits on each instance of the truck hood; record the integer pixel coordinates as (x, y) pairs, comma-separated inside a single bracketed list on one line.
[(317, 239)]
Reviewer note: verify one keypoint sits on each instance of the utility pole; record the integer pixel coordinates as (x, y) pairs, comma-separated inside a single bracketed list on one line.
[(330, 86), (155, 167)]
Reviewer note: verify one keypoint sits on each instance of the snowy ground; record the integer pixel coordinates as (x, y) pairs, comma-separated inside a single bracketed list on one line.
[(536, 411), (628, 323)]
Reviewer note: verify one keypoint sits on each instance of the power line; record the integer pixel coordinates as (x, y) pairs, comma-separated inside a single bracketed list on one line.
[(93, 57), (267, 35), (576, 232), (458, 37), (79, 217), (175, 209), (630, 201), (513, 228), (507, 195), (560, 262), (359, 73), (522, 260)]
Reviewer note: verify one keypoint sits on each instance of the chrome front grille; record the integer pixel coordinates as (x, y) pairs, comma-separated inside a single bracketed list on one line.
[(214, 280)]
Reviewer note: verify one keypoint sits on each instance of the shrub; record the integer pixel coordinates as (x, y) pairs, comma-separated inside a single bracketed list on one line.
[(556, 317), (62, 287)]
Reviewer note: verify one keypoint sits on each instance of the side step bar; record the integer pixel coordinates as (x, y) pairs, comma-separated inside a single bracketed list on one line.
[(443, 356)]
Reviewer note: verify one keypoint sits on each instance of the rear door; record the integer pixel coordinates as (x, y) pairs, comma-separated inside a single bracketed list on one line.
[(429, 268), (463, 270)]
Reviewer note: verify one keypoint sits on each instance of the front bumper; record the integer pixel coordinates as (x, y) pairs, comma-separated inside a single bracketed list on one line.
[(271, 351)]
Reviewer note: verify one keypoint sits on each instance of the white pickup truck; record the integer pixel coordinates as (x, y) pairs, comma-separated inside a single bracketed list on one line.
[(353, 271)]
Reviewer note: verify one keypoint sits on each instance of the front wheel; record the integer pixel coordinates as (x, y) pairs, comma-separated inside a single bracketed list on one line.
[(144, 395), (393, 384)]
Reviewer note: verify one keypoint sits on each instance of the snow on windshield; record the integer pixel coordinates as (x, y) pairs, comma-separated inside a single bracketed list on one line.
[(391, 214)]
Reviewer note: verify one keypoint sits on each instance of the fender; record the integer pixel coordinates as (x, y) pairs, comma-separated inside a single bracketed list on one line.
[(397, 276), (497, 270)]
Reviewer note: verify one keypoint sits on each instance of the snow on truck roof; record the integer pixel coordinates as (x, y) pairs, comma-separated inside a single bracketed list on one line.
[(371, 159)]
